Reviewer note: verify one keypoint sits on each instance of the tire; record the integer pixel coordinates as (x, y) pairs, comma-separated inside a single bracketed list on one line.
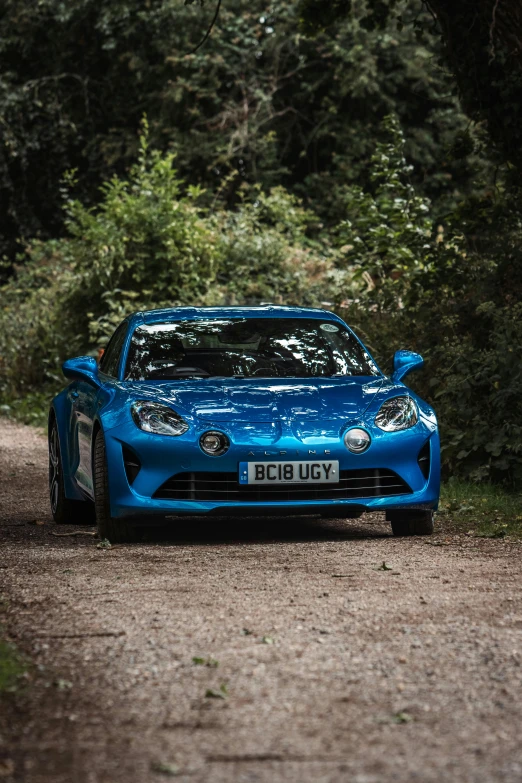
[(114, 530), (411, 523), (64, 511)]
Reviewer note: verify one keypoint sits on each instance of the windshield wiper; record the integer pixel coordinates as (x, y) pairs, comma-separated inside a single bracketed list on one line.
[(171, 373)]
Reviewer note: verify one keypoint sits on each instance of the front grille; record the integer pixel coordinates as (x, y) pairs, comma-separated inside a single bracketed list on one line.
[(224, 487)]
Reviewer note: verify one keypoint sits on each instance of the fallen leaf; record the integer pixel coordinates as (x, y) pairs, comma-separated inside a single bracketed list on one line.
[(267, 640), (212, 693), (402, 717), (7, 767), (75, 533), (63, 685), (210, 662), (165, 768)]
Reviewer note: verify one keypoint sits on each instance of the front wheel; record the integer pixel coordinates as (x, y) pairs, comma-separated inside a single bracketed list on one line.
[(114, 530), (64, 511), (411, 523)]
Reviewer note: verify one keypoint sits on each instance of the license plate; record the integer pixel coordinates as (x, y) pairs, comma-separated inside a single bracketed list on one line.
[(319, 472)]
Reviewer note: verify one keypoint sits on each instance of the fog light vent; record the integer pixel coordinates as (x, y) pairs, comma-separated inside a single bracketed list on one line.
[(131, 463), (424, 458)]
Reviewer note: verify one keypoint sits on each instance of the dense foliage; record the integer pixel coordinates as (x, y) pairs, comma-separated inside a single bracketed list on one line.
[(456, 299), (480, 43), (258, 104), (332, 169), (151, 242)]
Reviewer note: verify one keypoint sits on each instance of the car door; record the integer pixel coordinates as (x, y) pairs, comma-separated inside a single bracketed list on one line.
[(86, 404)]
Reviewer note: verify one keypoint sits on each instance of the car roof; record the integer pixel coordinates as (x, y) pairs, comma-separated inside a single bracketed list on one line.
[(261, 311)]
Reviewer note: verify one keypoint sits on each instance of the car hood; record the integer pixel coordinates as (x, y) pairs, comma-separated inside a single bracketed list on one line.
[(238, 400)]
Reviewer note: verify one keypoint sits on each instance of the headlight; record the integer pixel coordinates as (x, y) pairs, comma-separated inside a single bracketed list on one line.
[(156, 418), (399, 413), (357, 440), (214, 443)]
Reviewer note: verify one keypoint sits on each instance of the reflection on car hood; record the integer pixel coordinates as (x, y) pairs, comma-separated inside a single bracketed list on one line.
[(268, 400)]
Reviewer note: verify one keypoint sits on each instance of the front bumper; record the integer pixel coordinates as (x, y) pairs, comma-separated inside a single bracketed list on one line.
[(162, 457)]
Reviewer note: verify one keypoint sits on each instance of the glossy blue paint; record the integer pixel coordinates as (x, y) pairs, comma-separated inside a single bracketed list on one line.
[(404, 362), (266, 419), (82, 368)]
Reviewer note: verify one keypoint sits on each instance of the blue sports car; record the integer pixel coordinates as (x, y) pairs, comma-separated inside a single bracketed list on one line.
[(240, 410)]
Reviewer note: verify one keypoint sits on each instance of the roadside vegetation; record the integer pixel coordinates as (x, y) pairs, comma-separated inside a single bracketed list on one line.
[(481, 509), (13, 667)]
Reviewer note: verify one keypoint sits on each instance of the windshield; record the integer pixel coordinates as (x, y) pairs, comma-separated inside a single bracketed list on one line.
[(246, 348)]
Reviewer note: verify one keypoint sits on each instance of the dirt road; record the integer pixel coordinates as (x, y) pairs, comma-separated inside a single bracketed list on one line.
[(334, 670)]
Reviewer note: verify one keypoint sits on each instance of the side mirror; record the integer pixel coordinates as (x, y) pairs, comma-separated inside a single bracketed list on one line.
[(404, 362), (83, 368)]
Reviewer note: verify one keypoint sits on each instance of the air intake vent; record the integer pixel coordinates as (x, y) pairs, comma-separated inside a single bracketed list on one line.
[(215, 486), (424, 458), (132, 464)]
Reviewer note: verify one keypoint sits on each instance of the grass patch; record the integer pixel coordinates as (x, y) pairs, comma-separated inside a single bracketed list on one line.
[(12, 667), (485, 509)]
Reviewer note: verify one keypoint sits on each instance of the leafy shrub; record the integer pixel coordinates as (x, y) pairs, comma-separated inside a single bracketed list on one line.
[(267, 256), (149, 243), (431, 291)]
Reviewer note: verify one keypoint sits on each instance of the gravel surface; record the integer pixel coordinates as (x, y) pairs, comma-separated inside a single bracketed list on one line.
[(334, 668)]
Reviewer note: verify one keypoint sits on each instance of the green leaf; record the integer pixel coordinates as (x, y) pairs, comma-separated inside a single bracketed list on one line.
[(212, 693), (402, 717), (210, 662), (165, 768)]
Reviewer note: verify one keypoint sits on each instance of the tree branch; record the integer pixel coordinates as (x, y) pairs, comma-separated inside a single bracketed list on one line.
[(207, 34)]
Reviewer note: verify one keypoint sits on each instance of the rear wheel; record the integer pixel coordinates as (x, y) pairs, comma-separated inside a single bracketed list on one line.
[(411, 523), (64, 511), (114, 530)]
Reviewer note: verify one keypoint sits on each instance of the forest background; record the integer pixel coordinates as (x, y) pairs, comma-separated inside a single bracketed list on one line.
[(359, 156)]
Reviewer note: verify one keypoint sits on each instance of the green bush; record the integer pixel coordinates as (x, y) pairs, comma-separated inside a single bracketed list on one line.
[(268, 257), (150, 242), (413, 284)]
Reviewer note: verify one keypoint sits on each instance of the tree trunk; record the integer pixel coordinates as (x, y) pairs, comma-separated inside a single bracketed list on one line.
[(483, 45)]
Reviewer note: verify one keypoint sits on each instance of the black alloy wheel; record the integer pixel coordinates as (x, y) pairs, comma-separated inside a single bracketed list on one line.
[(55, 473), (64, 511)]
